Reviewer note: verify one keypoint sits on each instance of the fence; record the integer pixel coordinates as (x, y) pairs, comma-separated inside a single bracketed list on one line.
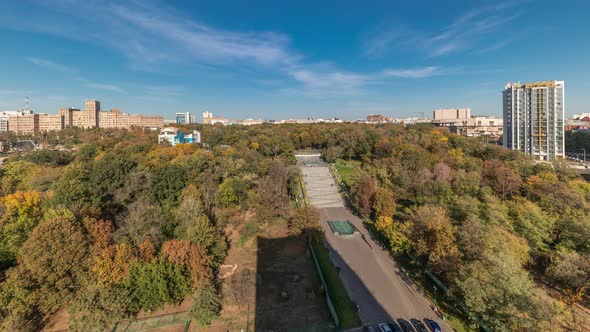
[(328, 299), (155, 322)]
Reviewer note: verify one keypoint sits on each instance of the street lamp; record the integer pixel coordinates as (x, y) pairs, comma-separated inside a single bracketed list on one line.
[(584, 150)]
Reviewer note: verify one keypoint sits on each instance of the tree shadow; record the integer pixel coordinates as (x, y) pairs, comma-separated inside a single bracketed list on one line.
[(289, 293)]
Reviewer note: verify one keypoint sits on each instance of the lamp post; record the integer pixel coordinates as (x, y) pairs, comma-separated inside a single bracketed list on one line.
[(584, 151)]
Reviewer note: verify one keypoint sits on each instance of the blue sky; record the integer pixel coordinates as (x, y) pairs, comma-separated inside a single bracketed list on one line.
[(282, 59)]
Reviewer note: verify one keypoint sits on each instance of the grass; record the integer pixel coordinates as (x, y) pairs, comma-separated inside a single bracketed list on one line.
[(344, 307), (346, 169)]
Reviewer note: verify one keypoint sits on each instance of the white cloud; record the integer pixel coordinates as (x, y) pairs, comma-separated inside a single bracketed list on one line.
[(466, 32), (48, 64), (413, 72), (102, 86)]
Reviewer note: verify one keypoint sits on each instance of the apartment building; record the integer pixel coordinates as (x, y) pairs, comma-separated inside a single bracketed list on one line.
[(534, 118), (49, 122), (24, 124)]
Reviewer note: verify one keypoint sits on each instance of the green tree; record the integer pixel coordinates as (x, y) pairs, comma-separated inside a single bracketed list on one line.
[(206, 304), (97, 308), (151, 284), (56, 255)]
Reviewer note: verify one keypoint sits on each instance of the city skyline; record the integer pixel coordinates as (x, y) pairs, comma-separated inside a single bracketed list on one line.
[(334, 61)]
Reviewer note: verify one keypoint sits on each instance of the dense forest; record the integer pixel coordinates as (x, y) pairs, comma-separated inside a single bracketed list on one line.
[(120, 223)]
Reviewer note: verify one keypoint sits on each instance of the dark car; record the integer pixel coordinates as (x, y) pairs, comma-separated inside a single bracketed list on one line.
[(405, 325), (394, 327), (434, 327), (369, 328), (420, 327)]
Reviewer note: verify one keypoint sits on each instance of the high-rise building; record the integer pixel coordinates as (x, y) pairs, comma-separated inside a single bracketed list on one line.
[(534, 118), (185, 118)]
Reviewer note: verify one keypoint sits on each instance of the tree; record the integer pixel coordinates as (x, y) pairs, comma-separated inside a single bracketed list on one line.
[(19, 309), (192, 256), (433, 236), (56, 255), (206, 303), (571, 270), (304, 218), (21, 212), (112, 265), (151, 284), (502, 179), (384, 203), (273, 198), (231, 192), (144, 220), (195, 226), (363, 191), (240, 288), (97, 308)]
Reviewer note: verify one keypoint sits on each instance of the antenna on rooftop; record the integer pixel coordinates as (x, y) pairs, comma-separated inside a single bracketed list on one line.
[(26, 103)]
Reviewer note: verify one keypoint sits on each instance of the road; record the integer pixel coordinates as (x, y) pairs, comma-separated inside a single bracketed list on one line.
[(371, 277)]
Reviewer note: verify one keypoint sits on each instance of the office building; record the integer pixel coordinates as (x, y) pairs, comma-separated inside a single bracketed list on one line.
[(185, 118), (534, 118)]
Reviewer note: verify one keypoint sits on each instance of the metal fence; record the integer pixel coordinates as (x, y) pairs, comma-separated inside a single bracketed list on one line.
[(155, 322)]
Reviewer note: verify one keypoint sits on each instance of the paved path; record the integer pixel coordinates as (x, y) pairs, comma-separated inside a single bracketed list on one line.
[(369, 274)]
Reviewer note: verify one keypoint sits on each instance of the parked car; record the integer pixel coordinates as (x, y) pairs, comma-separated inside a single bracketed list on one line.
[(405, 325), (384, 328), (420, 327), (369, 328), (434, 327), (394, 327)]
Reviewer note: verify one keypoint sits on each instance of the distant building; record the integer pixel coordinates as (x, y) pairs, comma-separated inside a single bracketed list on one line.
[(23, 124), (534, 118), (93, 117), (208, 118), (185, 118), (175, 136), (451, 113), (474, 126), (251, 122), (378, 118), (50, 122)]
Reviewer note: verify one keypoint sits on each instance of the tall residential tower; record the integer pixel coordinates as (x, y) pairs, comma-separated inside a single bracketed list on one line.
[(533, 118)]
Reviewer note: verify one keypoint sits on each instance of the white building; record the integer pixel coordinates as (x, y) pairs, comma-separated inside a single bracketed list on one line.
[(534, 118)]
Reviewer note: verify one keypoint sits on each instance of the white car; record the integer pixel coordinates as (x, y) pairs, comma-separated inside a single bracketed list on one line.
[(384, 328)]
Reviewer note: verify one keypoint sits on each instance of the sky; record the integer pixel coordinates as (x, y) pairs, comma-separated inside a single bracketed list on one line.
[(289, 59)]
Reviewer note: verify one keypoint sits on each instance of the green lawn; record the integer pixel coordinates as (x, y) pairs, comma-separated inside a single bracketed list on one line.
[(344, 307), (346, 169)]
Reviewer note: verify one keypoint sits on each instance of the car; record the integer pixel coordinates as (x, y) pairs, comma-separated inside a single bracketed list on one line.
[(434, 327), (405, 325), (420, 327), (384, 328), (394, 327), (369, 328)]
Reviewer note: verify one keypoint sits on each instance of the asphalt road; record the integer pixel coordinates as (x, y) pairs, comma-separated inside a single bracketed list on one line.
[(371, 277)]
